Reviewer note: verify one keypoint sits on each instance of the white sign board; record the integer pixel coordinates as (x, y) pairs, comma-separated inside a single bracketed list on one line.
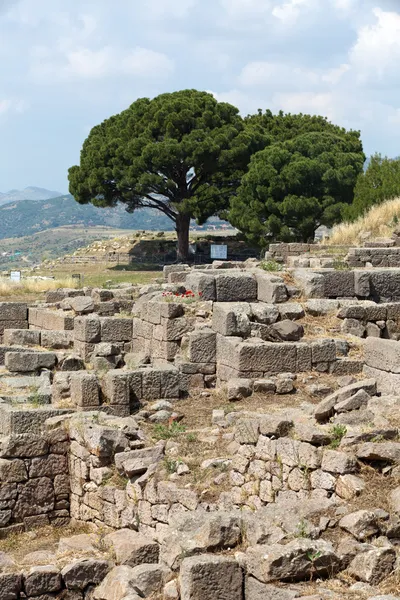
[(15, 276), (219, 252)]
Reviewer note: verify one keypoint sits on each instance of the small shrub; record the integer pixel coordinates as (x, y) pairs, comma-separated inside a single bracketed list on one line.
[(270, 265), (171, 465), (166, 432), (340, 265), (337, 432)]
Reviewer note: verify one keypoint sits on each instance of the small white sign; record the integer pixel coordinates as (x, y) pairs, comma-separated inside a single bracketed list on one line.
[(219, 252), (15, 276)]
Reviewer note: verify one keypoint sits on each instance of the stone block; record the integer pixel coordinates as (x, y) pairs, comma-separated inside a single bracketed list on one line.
[(323, 351), (271, 289), (338, 284), (87, 329), (231, 318), (235, 287), (210, 576), (202, 346), (202, 284), (21, 362), (362, 284), (163, 350), (171, 330), (263, 313), (42, 580), (115, 330), (84, 390), (132, 548), (84, 350), (383, 355), (267, 357), (13, 311), (57, 340), (311, 283), (21, 337)]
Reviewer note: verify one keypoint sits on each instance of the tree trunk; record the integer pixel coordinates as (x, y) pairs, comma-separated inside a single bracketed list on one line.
[(182, 230)]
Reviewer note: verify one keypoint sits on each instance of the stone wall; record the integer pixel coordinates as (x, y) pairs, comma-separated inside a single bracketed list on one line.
[(13, 315), (34, 481), (373, 257)]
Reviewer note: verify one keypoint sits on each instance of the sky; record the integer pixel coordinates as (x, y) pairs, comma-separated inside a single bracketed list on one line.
[(65, 66)]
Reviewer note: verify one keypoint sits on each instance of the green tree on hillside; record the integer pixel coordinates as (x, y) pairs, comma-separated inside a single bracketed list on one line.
[(380, 182), (292, 187), (182, 153)]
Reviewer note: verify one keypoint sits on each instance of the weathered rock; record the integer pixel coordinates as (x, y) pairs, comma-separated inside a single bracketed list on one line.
[(361, 524), (10, 585), (297, 560), (82, 305), (373, 566), (149, 579), (349, 486), (239, 389), (382, 451), (325, 408), (334, 461), (42, 580), (210, 576), (117, 585), (255, 590), (288, 331), (360, 398), (131, 548), (79, 574), (188, 535)]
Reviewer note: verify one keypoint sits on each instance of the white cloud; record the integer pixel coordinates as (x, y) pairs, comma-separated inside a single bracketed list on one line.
[(239, 9), (334, 76), (85, 63), (319, 103), (376, 53), (288, 12), (264, 73), (177, 9), (13, 105)]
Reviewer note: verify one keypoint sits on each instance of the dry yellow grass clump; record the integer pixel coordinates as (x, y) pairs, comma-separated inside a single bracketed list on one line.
[(378, 222), (33, 286)]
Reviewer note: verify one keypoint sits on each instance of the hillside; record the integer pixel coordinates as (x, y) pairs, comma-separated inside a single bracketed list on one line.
[(27, 217), (379, 222), (25, 251), (29, 193)]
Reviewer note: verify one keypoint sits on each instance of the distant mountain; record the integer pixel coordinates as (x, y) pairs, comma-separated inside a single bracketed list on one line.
[(29, 193), (27, 217)]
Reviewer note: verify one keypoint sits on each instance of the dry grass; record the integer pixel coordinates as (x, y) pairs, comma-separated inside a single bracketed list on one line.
[(378, 222), (33, 286)]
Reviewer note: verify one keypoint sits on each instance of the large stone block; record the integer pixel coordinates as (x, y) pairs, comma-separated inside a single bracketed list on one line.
[(163, 350), (202, 346), (171, 330), (21, 337), (235, 287), (13, 311), (202, 284), (386, 383), (84, 390), (87, 329), (209, 576), (385, 285), (338, 284), (231, 318), (268, 357), (57, 340), (271, 288), (115, 330), (311, 283), (383, 354), (36, 497), (21, 362)]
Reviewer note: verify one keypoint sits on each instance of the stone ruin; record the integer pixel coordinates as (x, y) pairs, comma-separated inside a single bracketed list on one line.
[(228, 434)]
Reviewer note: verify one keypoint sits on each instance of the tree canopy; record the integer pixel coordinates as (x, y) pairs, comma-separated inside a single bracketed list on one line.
[(292, 187), (182, 153), (380, 182)]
